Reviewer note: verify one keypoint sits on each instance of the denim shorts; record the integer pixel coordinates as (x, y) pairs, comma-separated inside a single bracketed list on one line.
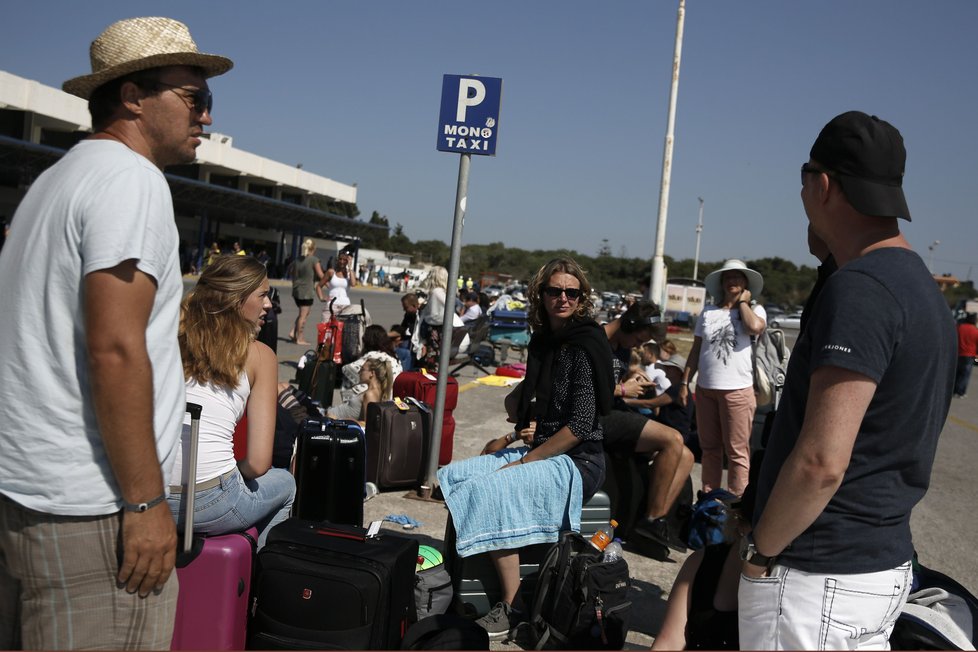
[(237, 504)]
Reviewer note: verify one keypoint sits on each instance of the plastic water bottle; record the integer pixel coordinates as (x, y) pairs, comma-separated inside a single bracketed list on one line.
[(602, 537), (612, 551)]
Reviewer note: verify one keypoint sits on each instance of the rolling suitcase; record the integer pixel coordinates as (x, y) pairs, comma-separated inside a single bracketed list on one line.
[(397, 443), (215, 576), (423, 385), (330, 472), (326, 586)]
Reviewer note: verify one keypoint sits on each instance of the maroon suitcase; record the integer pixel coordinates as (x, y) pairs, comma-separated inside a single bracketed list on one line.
[(422, 385), (215, 576)]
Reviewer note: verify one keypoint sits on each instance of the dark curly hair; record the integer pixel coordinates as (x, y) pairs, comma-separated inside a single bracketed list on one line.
[(537, 312)]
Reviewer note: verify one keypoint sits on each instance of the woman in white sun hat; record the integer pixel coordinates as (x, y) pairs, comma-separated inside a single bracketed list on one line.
[(721, 354)]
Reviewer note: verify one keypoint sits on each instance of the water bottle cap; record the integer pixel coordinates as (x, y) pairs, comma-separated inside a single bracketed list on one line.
[(617, 540)]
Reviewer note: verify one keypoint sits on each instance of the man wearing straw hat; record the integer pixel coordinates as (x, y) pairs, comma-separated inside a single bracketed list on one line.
[(828, 563), (91, 381)]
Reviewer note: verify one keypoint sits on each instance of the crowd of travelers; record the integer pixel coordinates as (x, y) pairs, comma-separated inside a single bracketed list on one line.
[(821, 522)]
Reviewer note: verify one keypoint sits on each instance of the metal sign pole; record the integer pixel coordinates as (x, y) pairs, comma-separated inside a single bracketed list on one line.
[(445, 355)]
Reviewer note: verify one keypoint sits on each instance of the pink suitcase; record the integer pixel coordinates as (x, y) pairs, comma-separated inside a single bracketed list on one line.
[(215, 577)]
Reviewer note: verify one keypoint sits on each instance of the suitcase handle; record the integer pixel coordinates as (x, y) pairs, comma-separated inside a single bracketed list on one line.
[(189, 494), (339, 534)]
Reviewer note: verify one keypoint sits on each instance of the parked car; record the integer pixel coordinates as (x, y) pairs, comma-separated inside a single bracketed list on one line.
[(792, 320)]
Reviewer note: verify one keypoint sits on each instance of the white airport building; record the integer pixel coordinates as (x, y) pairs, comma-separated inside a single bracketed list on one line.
[(227, 195)]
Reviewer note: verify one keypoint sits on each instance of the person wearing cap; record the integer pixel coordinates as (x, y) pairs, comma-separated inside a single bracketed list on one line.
[(721, 355), (93, 402), (630, 433), (828, 563)]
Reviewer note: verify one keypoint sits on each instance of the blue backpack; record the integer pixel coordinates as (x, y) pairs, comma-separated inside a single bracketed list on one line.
[(706, 523)]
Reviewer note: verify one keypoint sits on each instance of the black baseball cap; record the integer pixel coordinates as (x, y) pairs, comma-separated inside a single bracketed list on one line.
[(868, 158)]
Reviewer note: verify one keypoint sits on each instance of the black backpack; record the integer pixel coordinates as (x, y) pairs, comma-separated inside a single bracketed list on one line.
[(581, 601), (445, 632)]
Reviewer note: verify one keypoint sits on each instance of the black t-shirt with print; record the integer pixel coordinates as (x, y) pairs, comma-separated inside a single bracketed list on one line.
[(881, 316)]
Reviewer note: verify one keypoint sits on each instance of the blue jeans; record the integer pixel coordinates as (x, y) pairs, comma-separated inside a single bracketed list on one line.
[(963, 374), (237, 504), (403, 352)]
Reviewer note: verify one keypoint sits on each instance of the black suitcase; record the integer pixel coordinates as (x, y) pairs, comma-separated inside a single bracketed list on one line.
[(321, 382), (330, 472), (326, 586), (397, 435)]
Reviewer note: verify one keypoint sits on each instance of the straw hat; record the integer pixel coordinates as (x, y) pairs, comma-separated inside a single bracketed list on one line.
[(138, 44), (755, 282)]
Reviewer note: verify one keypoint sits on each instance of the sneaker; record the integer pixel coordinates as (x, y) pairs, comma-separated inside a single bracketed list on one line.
[(658, 530), (499, 621)]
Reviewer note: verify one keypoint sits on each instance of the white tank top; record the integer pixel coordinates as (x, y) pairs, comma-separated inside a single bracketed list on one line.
[(222, 409), (337, 290)]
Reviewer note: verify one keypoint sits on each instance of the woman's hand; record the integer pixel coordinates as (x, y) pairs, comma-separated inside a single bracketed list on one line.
[(744, 296), (495, 445), (683, 394), (526, 434)]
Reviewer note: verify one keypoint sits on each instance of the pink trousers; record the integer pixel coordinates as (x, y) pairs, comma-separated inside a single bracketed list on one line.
[(724, 418)]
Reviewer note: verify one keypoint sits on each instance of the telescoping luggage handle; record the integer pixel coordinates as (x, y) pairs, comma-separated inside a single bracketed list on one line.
[(191, 473)]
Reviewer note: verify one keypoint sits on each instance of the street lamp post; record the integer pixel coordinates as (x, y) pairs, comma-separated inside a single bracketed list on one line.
[(699, 230), (931, 248)]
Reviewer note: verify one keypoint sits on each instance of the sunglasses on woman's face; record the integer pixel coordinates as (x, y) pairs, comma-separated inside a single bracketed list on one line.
[(573, 294)]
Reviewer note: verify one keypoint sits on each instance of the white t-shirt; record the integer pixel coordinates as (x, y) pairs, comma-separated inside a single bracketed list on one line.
[(471, 313), (725, 354), (221, 409), (100, 205)]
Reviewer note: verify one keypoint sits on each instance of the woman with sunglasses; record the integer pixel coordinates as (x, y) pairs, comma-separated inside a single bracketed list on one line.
[(226, 369), (511, 498)]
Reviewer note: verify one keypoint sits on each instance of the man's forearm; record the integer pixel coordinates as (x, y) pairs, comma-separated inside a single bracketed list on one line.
[(122, 392)]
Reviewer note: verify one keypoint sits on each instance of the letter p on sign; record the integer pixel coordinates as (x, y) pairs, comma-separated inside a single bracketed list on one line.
[(466, 96)]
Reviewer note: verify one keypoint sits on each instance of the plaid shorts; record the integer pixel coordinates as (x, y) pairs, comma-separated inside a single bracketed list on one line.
[(58, 586)]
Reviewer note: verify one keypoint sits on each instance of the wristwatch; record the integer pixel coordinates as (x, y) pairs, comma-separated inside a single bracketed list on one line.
[(749, 553)]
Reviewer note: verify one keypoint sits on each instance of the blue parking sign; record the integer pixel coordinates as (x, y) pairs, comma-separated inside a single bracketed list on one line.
[(469, 119)]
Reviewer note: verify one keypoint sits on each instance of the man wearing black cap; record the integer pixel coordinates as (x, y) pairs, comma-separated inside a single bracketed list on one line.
[(828, 563)]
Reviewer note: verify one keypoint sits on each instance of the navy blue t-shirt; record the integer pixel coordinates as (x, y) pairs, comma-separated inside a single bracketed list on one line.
[(882, 316)]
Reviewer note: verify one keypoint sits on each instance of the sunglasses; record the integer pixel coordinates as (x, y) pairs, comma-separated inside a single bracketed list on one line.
[(201, 99), (573, 294), (808, 169)]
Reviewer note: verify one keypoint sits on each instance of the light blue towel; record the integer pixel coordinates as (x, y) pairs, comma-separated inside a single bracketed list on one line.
[(515, 507)]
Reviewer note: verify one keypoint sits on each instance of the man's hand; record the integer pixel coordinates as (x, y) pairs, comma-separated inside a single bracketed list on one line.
[(753, 571), (636, 386), (149, 548)]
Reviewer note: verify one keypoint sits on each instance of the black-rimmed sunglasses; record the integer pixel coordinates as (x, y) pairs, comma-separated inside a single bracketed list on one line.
[(572, 293), (201, 98), (808, 169)]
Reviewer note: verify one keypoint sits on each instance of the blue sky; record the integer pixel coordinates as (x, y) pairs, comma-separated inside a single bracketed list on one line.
[(351, 90)]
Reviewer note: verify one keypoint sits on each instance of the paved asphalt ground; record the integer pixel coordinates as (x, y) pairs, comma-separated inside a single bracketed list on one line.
[(944, 524)]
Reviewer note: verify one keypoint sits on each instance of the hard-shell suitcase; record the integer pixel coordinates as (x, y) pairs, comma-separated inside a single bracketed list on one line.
[(354, 323), (215, 577), (330, 472), (397, 443), (326, 586), (423, 386)]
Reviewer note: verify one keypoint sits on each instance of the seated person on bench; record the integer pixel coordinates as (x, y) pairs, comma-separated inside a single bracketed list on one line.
[(511, 498), (226, 369), (628, 431)]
